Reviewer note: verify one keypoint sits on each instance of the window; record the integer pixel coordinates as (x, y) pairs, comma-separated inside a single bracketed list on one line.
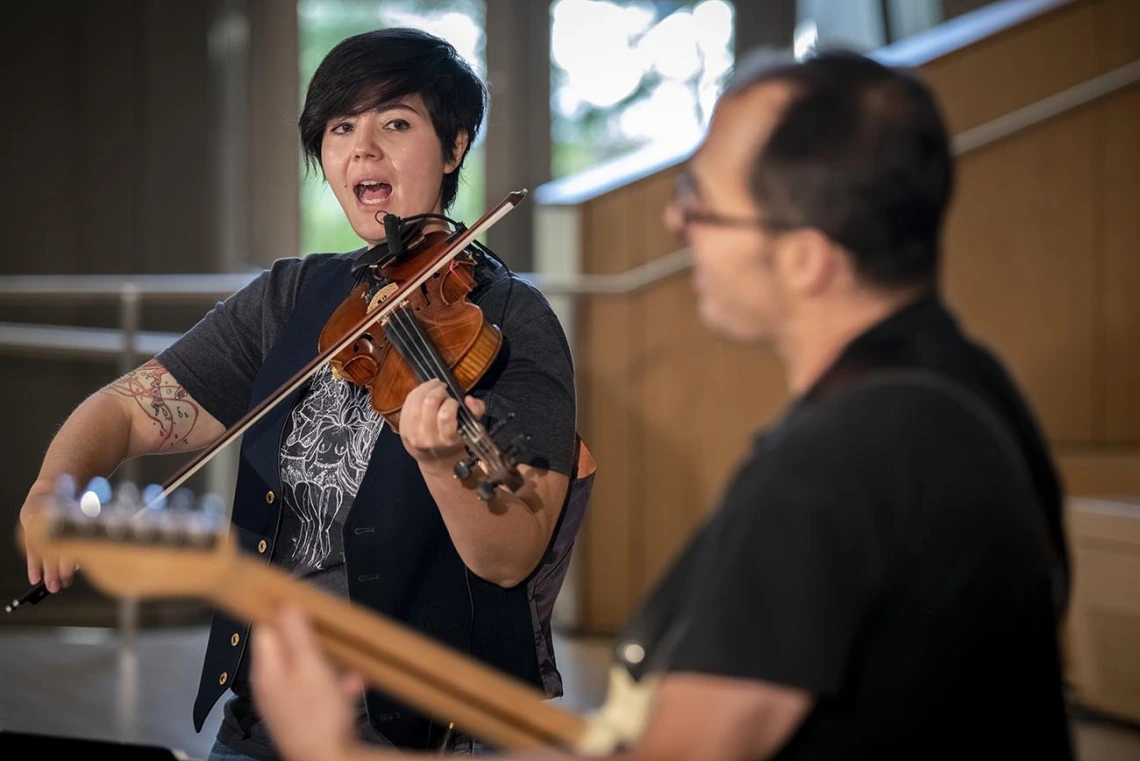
[(324, 23), (627, 74)]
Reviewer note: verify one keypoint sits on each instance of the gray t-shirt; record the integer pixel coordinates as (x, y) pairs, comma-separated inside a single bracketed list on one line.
[(325, 448), (329, 436)]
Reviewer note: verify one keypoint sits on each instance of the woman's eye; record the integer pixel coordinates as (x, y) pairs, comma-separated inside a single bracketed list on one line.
[(341, 129), (399, 124)]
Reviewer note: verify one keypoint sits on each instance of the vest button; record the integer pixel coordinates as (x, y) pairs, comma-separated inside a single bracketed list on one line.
[(223, 678), (261, 546), (269, 497), (234, 640)]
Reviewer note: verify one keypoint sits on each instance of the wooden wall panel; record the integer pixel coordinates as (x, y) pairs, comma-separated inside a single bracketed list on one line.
[(1099, 471), (1019, 66), (1021, 269), (672, 426), (1117, 33), (665, 394), (1118, 222), (604, 366)]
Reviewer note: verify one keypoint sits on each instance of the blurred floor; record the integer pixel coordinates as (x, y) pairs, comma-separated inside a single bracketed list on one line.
[(66, 682)]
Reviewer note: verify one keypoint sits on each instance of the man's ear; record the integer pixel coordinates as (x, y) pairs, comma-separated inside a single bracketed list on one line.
[(811, 261), (457, 152)]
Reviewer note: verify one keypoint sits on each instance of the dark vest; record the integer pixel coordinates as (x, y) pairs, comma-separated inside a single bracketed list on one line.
[(399, 558)]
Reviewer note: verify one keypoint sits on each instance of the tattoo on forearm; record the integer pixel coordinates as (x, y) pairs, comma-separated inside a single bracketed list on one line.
[(165, 402)]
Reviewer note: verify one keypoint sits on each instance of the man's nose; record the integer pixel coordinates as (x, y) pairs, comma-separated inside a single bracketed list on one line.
[(673, 219)]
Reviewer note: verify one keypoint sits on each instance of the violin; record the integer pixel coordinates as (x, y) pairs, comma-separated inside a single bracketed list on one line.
[(409, 303), (428, 330)]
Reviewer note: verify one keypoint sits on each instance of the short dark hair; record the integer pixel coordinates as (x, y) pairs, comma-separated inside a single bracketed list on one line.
[(379, 66), (861, 153)]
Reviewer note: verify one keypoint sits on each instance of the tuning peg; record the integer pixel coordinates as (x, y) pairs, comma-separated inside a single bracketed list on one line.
[(203, 526), (65, 487), (486, 489), (212, 504), (90, 505), (498, 426), (181, 501), (127, 495), (114, 518), (63, 507), (101, 488), (519, 449), (463, 468), (154, 497)]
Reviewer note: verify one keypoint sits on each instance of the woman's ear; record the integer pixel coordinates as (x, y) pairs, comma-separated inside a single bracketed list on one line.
[(458, 150)]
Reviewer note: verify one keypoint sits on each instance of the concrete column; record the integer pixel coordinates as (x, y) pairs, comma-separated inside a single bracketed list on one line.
[(274, 144), (767, 23), (518, 121)]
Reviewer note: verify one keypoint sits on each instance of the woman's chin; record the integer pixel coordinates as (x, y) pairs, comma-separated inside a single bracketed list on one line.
[(370, 231)]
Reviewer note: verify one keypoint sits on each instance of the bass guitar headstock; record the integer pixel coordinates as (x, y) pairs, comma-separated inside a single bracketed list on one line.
[(132, 546)]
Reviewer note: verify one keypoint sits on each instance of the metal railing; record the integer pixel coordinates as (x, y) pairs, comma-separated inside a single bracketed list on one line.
[(129, 342)]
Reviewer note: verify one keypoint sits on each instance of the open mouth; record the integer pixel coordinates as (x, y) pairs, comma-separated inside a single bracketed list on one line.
[(372, 192)]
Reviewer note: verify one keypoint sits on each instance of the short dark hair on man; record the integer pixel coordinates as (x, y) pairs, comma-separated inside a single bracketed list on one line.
[(861, 154), (366, 70)]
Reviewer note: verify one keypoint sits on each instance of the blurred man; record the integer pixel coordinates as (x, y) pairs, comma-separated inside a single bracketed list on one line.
[(885, 573)]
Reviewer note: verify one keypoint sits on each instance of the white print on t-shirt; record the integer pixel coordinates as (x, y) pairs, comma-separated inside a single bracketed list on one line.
[(323, 460)]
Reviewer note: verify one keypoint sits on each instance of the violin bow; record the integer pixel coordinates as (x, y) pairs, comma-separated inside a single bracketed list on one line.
[(460, 240)]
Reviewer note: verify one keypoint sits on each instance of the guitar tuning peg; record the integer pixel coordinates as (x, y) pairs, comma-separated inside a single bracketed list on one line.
[(154, 497), (114, 517), (204, 526), (212, 504), (90, 506), (65, 487), (127, 495), (101, 488), (181, 501)]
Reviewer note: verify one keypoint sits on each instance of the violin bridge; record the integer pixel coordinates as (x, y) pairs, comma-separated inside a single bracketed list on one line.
[(381, 296)]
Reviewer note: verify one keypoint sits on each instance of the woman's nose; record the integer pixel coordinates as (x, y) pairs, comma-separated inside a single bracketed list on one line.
[(366, 146)]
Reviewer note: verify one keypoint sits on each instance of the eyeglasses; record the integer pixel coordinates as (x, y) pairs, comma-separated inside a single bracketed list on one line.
[(684, 201)]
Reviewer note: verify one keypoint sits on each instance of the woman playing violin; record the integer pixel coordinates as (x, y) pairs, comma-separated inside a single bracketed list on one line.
[(326, 488)]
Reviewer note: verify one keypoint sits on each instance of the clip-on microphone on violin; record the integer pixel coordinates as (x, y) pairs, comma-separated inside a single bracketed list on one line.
[(401, 233), (394, 231)]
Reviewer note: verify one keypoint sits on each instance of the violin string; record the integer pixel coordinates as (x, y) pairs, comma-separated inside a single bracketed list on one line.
[(426, 365), (429, 360), (416, 346), (426, 361)]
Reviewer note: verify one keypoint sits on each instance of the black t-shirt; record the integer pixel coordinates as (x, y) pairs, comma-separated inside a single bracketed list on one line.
[(327, 440), (889, 547)]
